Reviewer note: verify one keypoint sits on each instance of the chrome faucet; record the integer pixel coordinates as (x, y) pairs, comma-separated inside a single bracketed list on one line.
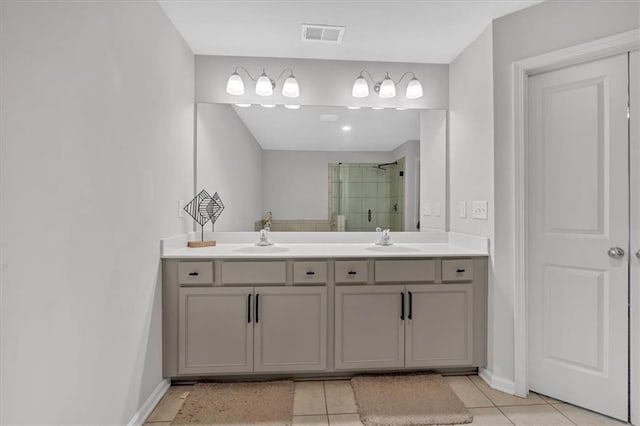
[(264, 238), (384, 237)]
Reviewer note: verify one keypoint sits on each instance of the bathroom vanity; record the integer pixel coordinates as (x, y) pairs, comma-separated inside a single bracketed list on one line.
[(322, 309)]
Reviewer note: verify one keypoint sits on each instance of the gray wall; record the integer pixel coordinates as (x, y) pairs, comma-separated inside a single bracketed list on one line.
[(322, 82), (229, 162), (539, 29), (96, 145), (433, 169)]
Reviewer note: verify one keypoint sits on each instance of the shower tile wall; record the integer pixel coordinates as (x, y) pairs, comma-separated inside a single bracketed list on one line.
[(365, 187)]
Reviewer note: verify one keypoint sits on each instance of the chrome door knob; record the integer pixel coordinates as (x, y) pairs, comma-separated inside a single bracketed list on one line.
[(638, 254), (616, 252)]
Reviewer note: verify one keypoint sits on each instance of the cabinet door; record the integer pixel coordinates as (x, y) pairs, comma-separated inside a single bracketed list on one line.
[(369, 328), (215, 330), (290, 329), (439, 326)]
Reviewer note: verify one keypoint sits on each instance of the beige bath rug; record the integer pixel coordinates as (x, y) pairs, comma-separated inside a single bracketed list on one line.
[(407, 400), (263, 403)]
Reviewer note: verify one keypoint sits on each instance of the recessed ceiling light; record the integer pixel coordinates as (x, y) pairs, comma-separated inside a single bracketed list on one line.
[(292, 106), (346, 128), (243, 105), (377, 108), (401, 108), (353, 107), (267, 105)]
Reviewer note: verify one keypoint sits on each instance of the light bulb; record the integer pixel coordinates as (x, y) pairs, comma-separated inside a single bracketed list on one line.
[(263, 86), (267, 105), (235, 85), (376, 108), (360, 88), (346, 128), (290, 88), (243, 105), (292, 106), (353, 107), (414, 89), (400, 108), (387, 88)]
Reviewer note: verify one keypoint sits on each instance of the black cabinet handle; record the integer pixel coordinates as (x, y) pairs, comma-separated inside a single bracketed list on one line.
[(410, 316), (249, 309), (369, 215), (402, 306), (310, 273), (257, 308), (352, 272), (193, 274), (459, 270)]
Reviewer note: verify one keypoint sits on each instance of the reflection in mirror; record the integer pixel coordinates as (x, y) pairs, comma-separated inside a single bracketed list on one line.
[(314, 168)]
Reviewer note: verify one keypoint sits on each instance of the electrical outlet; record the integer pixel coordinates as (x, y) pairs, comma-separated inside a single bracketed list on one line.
[(462, 207), (479, 209)]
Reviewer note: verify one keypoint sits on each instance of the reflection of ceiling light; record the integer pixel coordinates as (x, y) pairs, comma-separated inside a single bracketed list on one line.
[(267, 105), (386, 88), (353, 107), (243, 105), (377, 108), (346, 128), (264, 84), (328, 117), (401, 108), (292, 106)]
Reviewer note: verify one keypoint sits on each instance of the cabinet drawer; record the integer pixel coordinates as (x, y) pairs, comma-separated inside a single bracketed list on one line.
[(351, 271), (195, 272), (405, 271), (457, 270), (254, 272), (309, 272)]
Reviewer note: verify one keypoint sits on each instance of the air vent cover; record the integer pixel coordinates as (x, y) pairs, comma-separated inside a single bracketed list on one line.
[(322, 33)]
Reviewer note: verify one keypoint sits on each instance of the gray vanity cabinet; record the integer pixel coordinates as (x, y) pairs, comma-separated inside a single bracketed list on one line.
[(439, 325), (290, 329), (369, 330), (214, 334)]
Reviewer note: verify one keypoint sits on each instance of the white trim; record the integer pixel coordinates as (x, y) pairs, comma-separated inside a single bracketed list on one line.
[(496, 382), (145, 410), (608, 46)]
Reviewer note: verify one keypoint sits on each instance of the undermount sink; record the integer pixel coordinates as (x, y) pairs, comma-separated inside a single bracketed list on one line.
[(262, 249), (393, 249)]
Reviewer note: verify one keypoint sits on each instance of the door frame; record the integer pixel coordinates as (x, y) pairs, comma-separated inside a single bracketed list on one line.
[(521, 70)]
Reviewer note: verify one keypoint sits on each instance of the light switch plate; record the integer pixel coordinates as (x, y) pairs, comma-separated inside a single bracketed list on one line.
[(479, 209), (426, 209), (462, 206), (436, 209), (181, 204)]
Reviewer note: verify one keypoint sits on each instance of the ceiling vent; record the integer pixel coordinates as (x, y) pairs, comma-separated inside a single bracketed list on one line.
[(322, 33)]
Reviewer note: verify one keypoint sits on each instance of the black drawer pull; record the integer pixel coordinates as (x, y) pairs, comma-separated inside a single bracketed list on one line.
[(352, 272), (459, 270), (310, 273), (193, 274), (249, 308), (410, 316), (402, 306), (257, 308)]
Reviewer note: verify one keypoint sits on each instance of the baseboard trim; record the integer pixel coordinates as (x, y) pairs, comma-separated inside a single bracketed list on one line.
[(497, 382), (145, 410)]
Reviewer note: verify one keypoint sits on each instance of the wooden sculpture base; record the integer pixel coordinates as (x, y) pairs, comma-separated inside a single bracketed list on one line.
[(196, 244)]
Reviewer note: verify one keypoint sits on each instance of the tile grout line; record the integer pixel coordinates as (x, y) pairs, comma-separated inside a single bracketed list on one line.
[(564, 415), (326, 405), (505, 415)]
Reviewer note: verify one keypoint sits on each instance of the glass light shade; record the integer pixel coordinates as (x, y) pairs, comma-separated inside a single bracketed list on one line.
[(414, 89), (235, 85), (290, 106), (290, 88), (263, 86), (387, 88), (243, 105), (360, 88), (268, 105)]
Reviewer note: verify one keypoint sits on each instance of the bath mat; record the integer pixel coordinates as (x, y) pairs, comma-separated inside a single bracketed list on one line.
[(264, 403), (407, 400)]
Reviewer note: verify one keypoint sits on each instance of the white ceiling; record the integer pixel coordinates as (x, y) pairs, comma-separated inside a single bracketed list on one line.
[(424, 31), (301, 130)]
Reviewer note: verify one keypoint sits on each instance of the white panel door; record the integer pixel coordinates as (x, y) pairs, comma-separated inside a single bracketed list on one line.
[(578, 183), (290, 329), (634, 80), (369, 326), (216, 332)]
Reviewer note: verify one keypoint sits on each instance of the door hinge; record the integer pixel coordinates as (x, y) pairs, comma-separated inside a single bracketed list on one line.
[(628, 112)]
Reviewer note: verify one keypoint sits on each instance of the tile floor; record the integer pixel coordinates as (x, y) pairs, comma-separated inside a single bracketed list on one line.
[(332, 403)]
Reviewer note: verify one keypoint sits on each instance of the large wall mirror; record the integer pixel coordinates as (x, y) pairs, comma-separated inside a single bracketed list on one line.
[(316, 168)]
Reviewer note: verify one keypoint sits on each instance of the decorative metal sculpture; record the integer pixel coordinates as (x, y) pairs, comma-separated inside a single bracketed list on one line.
[(204, 208)]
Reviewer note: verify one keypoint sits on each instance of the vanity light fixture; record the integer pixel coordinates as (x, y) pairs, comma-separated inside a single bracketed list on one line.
[(401, 108), (353, 107), (386, 88), (264, 84), (377, 108), (289, 106), (268, 105), (243, 105)]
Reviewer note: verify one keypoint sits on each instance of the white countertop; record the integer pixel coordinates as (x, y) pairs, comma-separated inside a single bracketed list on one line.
[(323, 250)]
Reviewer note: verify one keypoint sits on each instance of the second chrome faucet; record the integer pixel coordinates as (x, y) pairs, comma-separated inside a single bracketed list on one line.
[(383, 237)]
